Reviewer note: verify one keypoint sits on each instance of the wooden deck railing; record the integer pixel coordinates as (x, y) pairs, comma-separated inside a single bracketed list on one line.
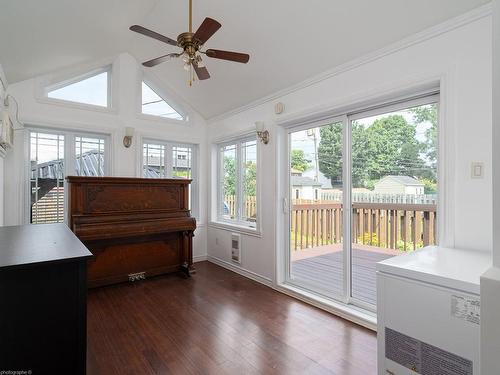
[(250, 206), (386, 225)]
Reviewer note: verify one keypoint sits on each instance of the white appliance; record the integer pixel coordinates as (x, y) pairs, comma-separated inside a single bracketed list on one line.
[(428, 312)]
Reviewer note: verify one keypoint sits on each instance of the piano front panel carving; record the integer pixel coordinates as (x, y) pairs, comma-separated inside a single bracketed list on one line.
[(129, 198)]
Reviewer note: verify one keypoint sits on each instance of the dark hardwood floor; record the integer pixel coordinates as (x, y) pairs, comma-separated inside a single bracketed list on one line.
[(218, 322)]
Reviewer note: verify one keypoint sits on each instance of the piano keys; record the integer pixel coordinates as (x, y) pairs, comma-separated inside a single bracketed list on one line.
[(134, 227)]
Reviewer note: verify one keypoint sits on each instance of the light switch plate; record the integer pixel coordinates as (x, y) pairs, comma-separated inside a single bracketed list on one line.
[(477, 169)]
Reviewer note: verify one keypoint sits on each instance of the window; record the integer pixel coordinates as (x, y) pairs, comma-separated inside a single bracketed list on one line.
[(47, 178), (153, 104), (171, 160), (93, 89), (238, 182), (53, 155)]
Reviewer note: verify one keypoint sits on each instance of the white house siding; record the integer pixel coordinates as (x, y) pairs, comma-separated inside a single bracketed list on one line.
[(390, 186), (414, 190)]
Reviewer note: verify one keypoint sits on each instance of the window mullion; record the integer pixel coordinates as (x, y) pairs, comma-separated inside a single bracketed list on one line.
[(239, 179), (168, 160)]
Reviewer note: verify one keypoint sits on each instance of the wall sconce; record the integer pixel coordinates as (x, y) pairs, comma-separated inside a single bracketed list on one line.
[(262, 134), (127, 140)]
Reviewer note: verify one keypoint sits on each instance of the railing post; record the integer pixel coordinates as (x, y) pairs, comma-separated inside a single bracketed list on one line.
[(426, 227)]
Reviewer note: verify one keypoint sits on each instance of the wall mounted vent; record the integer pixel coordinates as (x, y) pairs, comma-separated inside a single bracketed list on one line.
[(236, 247)]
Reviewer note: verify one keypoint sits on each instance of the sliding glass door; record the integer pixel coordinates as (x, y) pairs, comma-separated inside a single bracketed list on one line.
[(316, 253), (380, 164)]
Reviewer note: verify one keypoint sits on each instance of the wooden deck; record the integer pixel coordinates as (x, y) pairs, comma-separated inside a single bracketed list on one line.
[(324, 272)]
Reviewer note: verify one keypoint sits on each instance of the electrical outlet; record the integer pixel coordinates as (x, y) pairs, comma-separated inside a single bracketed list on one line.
[(477, 169)]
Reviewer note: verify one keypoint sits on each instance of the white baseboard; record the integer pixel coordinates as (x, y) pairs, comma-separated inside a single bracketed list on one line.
[(240, 270), (199, 258)]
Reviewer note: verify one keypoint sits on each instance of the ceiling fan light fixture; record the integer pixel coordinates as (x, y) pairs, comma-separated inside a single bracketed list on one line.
[(191, 44), (199, 62)]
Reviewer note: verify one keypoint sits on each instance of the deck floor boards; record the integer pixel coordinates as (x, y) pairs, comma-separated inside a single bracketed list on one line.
[(325, 272)]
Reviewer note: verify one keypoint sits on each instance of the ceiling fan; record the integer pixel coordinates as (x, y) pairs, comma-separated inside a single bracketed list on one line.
[(192, 44)]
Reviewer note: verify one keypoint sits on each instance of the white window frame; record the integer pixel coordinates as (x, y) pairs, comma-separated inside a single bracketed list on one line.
[(238, 221), (69, 159), (346, 117), (105, 69), (168, 162), (162, 94)]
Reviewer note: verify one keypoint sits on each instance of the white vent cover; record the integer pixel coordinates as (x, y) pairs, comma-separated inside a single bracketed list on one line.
[(236, 247)]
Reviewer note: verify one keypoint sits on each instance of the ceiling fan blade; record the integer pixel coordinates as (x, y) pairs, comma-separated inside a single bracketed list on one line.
[(208, 28), (228, 55), (201, 72), (160, 59), (153, 34)]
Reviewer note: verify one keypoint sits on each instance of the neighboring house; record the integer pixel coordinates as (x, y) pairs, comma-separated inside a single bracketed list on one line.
[(399, 185), (154, 165), (326, 183), (305, 188)]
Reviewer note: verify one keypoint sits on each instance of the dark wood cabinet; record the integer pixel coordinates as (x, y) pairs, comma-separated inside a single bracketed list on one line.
[(42, 299), (134, 227)]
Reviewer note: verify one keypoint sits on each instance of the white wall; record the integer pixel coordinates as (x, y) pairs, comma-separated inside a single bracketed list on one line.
[(490, 281), (126, 76), (460, 58)]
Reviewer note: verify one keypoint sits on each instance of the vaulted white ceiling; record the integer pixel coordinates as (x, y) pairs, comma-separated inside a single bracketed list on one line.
[(288, 41)]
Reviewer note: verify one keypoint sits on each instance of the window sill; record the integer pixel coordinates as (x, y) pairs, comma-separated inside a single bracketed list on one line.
[(233, 227), (77, 105)]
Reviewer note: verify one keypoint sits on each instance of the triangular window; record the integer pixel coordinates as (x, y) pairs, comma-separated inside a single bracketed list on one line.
[(153, 104), (90, 89)]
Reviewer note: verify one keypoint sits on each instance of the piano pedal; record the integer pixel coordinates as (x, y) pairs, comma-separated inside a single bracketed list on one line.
[(136, 276), (185, 270)]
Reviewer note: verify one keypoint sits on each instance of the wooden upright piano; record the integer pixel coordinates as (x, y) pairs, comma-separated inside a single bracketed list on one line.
[(134, 227)]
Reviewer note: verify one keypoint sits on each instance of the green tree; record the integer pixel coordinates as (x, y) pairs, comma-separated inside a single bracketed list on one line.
[(388, 146), (429, 113), (392, 148), (299, 161), (229, 176), (330, 152), (250, 181), (250, 177)]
